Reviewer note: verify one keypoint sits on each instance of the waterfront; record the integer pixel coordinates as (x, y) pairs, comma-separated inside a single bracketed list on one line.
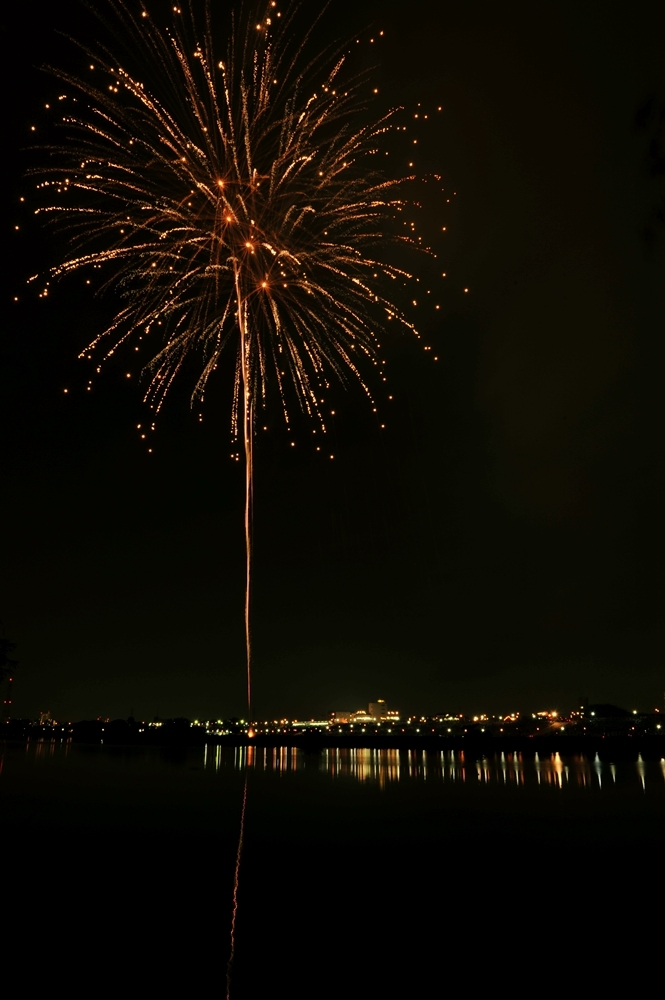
[(362, 869)]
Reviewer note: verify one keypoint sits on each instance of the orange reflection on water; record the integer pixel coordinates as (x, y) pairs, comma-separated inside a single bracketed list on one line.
[(385, 767)]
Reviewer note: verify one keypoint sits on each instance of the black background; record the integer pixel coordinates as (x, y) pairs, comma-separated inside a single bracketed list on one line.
[(498, 545)]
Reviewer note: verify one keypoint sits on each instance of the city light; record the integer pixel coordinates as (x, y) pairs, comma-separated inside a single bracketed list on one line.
[(376, 725)]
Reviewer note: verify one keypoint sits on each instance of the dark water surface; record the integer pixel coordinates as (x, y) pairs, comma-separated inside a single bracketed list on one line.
[(364, 873)]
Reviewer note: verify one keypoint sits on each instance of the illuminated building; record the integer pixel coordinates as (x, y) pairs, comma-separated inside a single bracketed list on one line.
[(362, 716), (378, 710), (376, 713), (380, 713), (337, 718)]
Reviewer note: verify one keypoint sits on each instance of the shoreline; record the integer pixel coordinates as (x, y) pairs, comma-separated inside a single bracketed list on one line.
[(651, 747)]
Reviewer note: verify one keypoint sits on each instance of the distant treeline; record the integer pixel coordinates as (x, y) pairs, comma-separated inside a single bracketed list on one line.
[(118, 731)]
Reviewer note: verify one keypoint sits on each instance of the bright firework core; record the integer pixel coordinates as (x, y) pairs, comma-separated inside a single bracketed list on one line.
[(232, 203)]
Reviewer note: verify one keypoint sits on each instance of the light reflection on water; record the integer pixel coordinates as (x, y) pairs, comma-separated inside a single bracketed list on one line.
[(384, 767)]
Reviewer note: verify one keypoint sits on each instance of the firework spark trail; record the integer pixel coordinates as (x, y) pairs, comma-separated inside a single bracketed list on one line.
[(236, 884), (230, 203), (247, 433)]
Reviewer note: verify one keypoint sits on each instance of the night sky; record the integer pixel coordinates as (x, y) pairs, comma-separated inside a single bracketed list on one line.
[(498, 546)]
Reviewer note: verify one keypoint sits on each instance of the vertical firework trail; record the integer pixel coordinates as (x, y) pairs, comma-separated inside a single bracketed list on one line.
[(233, 204), (248, 440)]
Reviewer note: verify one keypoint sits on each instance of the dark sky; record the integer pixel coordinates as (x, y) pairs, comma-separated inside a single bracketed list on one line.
[(499, 545)]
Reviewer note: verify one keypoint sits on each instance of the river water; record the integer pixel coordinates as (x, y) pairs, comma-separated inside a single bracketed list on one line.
[(363, 872)]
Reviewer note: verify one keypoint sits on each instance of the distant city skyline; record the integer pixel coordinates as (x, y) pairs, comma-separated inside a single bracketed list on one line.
[(379, 718)]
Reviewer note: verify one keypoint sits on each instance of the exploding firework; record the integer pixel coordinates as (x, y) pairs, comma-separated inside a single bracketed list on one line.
[(230, 200)]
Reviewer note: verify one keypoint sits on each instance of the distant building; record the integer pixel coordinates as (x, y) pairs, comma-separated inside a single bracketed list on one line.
[(336, 718), (376, 713), (362, 716), (380, 712)]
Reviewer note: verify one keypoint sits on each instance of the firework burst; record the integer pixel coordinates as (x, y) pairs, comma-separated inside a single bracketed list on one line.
[(230, 199)]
